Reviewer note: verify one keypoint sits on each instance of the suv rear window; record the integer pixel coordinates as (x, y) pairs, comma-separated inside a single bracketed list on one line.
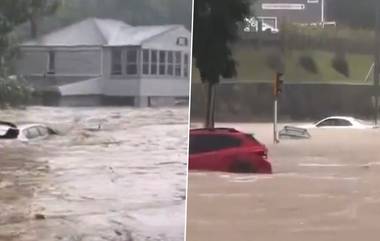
[(207, 143), (252, 138)]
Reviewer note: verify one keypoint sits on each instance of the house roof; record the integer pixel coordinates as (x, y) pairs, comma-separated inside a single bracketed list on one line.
[(100, 32), (137, 35)]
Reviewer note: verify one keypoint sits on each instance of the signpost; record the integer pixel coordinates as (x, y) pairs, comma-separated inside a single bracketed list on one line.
[(377, 63), (277, 89), (275, 131), (283, 6)]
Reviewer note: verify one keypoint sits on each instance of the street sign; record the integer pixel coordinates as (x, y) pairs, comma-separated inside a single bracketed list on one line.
[(282, 6)]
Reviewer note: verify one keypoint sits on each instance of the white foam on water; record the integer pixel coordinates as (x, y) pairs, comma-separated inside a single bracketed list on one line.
[(322, 165), (132, 169)]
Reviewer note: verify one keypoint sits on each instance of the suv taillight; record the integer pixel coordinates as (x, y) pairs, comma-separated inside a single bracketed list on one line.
[(262, 153)]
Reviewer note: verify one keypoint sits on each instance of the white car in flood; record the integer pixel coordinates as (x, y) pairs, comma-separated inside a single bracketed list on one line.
[(338, 122), (25, 132), (8, 131)]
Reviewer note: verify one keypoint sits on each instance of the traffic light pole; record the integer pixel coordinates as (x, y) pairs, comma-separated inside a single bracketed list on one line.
[(275, 120), (277, 88)]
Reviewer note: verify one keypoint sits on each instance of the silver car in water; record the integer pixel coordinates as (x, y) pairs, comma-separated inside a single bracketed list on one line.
[(25, 131)]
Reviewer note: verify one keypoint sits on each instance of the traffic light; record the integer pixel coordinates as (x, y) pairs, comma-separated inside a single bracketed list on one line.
[(277, 85)]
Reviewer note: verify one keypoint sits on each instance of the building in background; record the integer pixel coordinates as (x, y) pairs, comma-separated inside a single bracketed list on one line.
[(100, 61)]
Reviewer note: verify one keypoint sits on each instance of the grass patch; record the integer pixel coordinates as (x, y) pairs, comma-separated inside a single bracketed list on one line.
[(253, 66)]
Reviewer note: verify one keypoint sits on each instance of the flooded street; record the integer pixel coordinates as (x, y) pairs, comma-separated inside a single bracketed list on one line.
[(325, 188), (125, 181)]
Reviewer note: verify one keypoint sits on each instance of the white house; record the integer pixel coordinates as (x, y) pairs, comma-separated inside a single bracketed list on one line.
[(102, 60)]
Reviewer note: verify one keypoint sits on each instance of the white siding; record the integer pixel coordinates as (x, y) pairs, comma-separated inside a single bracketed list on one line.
[(121, 87), (32, 62), (164, 87), (69, 61), (86, 87), (107, 61), (79, 62)]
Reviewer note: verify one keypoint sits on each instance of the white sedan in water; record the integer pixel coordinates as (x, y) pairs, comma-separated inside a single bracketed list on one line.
[(25, 131), (339, 122)]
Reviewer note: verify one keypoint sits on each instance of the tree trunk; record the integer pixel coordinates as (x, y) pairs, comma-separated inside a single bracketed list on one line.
[(33, 27), (210, 106)]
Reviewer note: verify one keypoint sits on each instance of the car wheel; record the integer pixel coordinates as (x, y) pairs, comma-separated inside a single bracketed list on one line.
[(242, 167)]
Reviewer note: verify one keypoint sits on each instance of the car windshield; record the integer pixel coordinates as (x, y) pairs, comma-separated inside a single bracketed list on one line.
[(3, 130)]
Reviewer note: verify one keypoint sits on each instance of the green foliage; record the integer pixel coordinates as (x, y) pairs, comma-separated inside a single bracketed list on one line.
[(339, 63), (135, 12), (253, 66), (215, 29), (36, 9), (308, 64), (14, 92), (275, 61), (307, 37)]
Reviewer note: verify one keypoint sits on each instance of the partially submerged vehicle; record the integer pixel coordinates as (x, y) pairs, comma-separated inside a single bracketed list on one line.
[(25, 131), (8, 130), (292, 132), (339, 122), (227, 150)]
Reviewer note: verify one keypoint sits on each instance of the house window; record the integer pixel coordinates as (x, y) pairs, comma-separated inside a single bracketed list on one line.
[(170, 66), (162, 62), (182, 41), (186, 65), (178, 63), (132, 59), (51, 62), (153, 67), (146, 61), (116, 68)]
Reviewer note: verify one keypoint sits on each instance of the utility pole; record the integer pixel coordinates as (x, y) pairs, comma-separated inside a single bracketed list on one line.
[(323, 13), (277, 88), (275, 120), (377, 62)]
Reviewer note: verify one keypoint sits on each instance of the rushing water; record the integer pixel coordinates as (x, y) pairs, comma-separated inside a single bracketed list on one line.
[(323, 189), (123, 181)]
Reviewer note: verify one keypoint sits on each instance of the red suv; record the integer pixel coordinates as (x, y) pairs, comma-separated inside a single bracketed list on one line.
[(226, 149)]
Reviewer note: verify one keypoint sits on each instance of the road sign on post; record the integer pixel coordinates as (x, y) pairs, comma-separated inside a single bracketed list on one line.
[(277, 89), (377, 63)]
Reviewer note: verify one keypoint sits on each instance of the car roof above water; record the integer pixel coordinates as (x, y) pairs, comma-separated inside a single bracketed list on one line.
[(340, 117), (27, 125), (214, 130), (4, 126)]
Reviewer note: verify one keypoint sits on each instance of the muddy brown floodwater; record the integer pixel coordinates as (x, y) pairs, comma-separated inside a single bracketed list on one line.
[(323, 189), (126, 181)]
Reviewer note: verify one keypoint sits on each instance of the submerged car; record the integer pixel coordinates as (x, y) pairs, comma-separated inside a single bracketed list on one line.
[(291, 132), (25, 131), (227, 150), (339, 122), (8, 130)]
